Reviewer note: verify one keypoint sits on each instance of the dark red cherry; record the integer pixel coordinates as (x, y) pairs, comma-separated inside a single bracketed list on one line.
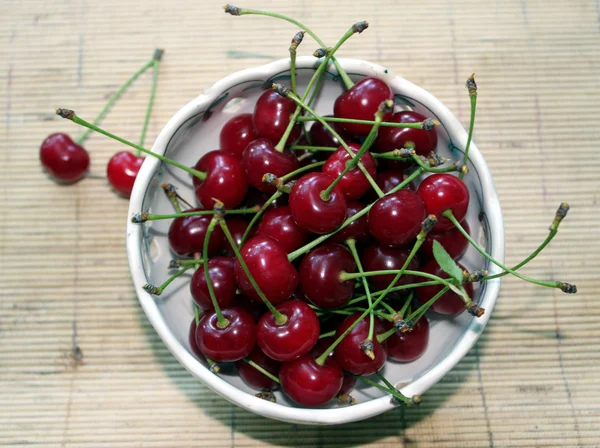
[(252, 377), (361, 102), (395, 219), (225, 180), (237, 227), (278, 224), (257, 309), (348, 384), (348, 352), (260, 157), (63, 159), (319, 273), (186, 235), (453, 241), (389, 138), (192, 340), (441, 192), (271, 117), (409, 346), (236, 134), (294, 338), (354, 184), (228, 344), (324, 343), (255, 197), (122, 170), (449, 303), (389, 179), (310, 211), (308, 383), (359, 229), (377, 257), (268, 263), (220, 270), (320, 136)]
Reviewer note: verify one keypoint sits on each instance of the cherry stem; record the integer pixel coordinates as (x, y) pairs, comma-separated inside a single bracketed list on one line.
[(350, 311), (388, 307), (395, 289), (383, 336), (565, 287), (406, 304), (301, 251), (414, 317), (262, 370), (113, 99), (143, 217), (352, 275), (293, 174), (222, 321), (156, 60), (171, 193), (314, 94), (392, 391), (212, 365), (472, 87), (280, 318), (351, 243), (260, 212), (327, 335), (296, 41), (70, 115), (157, 291), (196, 314), (418, 125)]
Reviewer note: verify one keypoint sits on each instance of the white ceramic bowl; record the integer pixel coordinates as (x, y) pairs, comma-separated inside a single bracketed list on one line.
[(194, 130)]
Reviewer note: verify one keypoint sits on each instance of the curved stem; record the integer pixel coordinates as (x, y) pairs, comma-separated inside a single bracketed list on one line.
[(150, 104), (353, 275), (394, 289), (473, 100), (223, 322), (257, 216), (418, 125), (154, 217), (406, 304), (262, 370), (309, 167), (313, 148), (157, 291), (315, 92), (196, 314), (327, 335), (414, 317), (171, 193), (351, 243), (407, 401)]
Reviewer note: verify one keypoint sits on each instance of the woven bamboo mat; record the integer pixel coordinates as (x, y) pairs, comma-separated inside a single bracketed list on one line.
[(79, 363)]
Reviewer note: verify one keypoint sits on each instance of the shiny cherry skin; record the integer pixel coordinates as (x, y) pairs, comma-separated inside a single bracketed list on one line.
[(228, 344), (389, 138), (308, 383), (292, 339), (361, 102), (237, 227), (441, 192), (255, 197), (279, 224), (320, 136), (310, 211), (449, 303), (192, 339), (377, 257), (260, 157), (453, 241), (408, 346), (271, 117), (320, 270), (253, 377), (225, 180), (121, 171), (348, 384), (389, 179), (354, 183), (395, 219), (359, 229), (236, 134), (268, 263), (222, 276), (186, 235), (63, 159), (348, 352)]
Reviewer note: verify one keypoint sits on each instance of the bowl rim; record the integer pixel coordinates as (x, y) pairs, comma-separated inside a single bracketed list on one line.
[(134, 237)]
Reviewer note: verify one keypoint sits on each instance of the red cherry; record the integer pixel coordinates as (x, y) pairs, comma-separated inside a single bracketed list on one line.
[(220, 270), (377, 257), (64, 160), (228, 344), (237, 227), (186, 235), (310, 211), (236, 134), (308, 383), (453, 241), (390, 138), (348, 384), (354, 183), (319, 273), (359, 229), (349, 354), (225, 180), (255, 308), (192, 340), (292, 339), (320, 136), (260, 157), (278, 224), (255, 197), (409, 346), (268, 263), (271, 117), (449, 303), (122, 170), (361, 102), (253, 377), (395, 219), (441, 192), (389, 179)]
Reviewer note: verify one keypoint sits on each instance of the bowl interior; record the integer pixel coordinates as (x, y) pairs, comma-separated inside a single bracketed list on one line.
[(200, 133)]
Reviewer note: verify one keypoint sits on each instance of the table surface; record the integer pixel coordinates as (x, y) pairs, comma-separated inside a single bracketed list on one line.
[(79, 363)]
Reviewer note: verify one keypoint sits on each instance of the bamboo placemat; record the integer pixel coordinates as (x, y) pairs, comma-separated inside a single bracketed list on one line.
[(79, 363)]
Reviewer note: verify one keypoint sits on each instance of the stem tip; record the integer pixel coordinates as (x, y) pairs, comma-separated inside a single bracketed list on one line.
[(471, 85), (267, 395), (151, 289), (65, 113), (281, 89), (567, 288), (346, 399), (233, 10), (139, 218), (359, 27), (158, 54), (429, 124)]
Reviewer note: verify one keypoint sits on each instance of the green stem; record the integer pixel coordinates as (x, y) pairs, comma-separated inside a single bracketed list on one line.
[(407, 401), (431, 169), (313, 148), (406, 304), (473, 100), (309, 167), (353, 275), (351, 243), (222, 321), (113, 99), (153, 217), (414, 317), (327, 335), (172, 196), (351, 311), (394, 289), (257, 216), (157, 291), (196, 314), (262, 370), (280, 318), (314, 94), (388, 307), (150, 104), (418, 125)]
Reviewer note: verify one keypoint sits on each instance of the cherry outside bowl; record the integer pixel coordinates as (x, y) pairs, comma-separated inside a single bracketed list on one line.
[(194, 130)]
